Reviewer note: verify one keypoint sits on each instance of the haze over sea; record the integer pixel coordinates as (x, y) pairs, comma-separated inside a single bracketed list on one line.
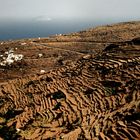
[(42, 18), (18, 29)]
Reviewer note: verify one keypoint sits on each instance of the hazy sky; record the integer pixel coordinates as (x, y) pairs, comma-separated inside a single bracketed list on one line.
[(49, 9)]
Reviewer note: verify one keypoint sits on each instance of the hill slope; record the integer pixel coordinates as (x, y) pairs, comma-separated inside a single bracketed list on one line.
[(84, 85)]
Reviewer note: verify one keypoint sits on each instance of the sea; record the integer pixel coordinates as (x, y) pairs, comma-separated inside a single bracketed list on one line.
[(22, 29)]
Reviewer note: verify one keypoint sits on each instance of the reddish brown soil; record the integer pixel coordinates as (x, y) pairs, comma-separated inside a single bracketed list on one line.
[(90, 88)]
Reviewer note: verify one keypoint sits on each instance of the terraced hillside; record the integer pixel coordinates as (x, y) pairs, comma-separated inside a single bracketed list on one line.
[(83, 85)]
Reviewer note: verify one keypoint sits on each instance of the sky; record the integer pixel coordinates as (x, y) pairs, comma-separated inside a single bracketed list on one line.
[(73, 9)]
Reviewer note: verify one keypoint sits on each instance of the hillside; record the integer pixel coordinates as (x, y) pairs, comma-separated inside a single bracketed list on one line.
[(84, 85)]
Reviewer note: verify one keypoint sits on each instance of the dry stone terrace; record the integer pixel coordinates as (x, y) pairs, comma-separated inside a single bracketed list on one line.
[(89, 87)]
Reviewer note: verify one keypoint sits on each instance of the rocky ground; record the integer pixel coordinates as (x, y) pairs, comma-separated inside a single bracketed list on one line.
[(84, 85)]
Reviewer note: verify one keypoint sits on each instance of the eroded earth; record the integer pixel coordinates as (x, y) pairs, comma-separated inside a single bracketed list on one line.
[(84, 85)]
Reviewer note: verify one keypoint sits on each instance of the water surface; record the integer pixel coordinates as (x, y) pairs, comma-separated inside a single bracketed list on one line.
[(18, 29)]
